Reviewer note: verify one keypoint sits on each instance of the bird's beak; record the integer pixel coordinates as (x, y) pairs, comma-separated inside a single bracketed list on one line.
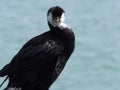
[(56, 19)]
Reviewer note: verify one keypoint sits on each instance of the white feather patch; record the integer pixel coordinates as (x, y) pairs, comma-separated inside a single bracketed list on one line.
[(63, 25), (57, 24), (62, 18)]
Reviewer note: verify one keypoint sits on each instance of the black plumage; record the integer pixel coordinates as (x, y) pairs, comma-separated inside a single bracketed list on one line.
[(40, 61)]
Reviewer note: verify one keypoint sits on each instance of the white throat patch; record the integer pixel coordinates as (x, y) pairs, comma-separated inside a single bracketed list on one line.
[(60, 24)]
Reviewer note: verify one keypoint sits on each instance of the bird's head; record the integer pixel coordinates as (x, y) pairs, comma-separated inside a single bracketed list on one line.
[(55, 16)]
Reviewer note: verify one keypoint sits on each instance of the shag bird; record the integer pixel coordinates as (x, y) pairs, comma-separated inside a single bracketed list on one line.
[(41, 60)]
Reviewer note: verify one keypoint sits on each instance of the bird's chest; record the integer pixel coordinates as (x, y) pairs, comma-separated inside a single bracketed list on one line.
[(60, 64)]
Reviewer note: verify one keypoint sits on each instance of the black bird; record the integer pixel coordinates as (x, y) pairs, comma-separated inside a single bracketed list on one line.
[(41, 60)]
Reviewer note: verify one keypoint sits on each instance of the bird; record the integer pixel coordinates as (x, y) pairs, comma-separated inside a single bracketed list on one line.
[(41, 60)]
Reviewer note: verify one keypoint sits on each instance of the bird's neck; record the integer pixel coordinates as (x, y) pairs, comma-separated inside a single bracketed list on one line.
[(59, 26), (66, 35)]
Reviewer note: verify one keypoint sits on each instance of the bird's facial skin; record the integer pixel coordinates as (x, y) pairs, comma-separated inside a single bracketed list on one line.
[(56, 19)]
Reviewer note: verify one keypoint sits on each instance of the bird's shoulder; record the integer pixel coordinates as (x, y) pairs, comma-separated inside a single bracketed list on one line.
[(44, 43)]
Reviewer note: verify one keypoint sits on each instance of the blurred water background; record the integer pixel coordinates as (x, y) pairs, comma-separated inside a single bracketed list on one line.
[(95, 63)]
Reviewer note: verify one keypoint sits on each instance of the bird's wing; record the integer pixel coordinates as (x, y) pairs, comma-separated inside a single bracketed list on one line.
[(32, 55), (38, 54)]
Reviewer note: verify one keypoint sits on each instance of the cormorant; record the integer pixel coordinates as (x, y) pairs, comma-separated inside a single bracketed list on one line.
[(41, 60)]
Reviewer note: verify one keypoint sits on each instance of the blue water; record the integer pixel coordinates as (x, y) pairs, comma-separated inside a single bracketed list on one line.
[(95, 63)]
